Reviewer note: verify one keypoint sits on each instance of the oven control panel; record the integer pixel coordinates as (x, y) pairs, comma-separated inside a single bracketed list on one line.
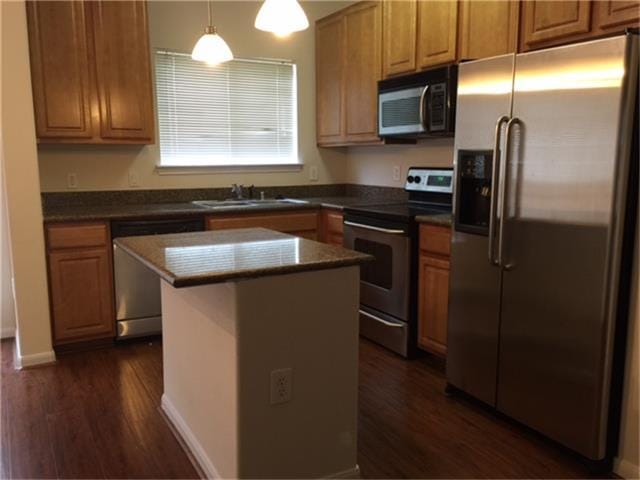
[(429, 180)]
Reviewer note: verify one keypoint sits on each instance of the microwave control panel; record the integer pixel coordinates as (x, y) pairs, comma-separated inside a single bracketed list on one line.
[(429, 180)]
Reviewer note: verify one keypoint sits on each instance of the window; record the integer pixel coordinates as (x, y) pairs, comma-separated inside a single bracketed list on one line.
[(242, 112)]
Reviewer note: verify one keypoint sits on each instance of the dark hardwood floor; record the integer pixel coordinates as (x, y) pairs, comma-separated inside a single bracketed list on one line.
[(95, 415)]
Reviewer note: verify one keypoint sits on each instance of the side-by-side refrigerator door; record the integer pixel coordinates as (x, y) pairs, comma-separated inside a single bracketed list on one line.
[(483, 108), (561, 187)]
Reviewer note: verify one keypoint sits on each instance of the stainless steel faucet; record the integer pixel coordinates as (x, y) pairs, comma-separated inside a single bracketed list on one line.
[(236, 191)]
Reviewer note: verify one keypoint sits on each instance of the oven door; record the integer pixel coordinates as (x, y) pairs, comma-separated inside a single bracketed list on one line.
[(384, 283)]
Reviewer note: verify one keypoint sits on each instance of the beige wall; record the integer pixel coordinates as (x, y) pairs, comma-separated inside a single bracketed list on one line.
[(7, 313), (23, 190), (374, 165), (628, 462), (177, 26)]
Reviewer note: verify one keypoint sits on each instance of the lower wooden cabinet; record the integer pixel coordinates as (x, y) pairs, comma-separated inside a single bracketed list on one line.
[(332, 227), (433, 288), (302, 223), (80, 282)]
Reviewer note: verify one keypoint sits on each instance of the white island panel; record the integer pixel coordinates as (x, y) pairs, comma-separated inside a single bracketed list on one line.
[(221, 343)]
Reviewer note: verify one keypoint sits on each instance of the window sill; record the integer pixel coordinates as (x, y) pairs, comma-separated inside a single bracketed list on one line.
[(215, 169)]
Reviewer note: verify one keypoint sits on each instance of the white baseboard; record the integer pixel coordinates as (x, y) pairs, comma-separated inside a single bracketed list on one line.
[(42, 358), (626, 469), (351, 473), (7, 332), (188, 438)]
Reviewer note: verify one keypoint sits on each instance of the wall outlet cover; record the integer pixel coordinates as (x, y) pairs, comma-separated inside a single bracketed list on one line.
[(281, 385), (134, 181), (396, 173), (72, 180), (313, 173)]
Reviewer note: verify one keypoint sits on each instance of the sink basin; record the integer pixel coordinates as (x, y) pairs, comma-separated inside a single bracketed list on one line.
[(221, 204)]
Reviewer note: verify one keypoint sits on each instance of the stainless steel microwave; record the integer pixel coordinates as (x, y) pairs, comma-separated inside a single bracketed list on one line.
[(418, 105)]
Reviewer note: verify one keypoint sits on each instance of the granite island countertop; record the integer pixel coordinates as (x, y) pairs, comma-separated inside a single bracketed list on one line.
[(77, 213), (188, 259)]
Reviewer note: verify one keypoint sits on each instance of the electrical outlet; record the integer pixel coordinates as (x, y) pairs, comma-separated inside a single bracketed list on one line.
[(133, 179), (396, 173), (313, 173), (72, 180), (281, 385)]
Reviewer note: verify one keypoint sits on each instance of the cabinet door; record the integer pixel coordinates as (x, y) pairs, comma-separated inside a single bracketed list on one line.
[(329, 80), (488, 28), (433, 303), (332, 227), (123, 71), (437, 32), (399, 36), (363, 69), (549, 22), (615, 15), (60, 75), (81, 294)]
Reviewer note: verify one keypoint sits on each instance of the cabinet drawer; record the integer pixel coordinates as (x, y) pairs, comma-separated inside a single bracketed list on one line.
[(77, 235), (435, 239), (282, 222)]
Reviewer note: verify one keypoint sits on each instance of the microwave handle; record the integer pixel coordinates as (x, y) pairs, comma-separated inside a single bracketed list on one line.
[(423, 116)]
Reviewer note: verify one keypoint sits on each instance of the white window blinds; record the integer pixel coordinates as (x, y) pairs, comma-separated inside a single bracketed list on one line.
[(241, 112)]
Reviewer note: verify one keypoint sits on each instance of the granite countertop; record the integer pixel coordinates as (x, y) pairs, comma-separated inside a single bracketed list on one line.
[(138, 211), (188, 259), (444, 219), (341, 203)]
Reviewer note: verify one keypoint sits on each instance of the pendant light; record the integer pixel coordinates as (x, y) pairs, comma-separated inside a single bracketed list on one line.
[(211, 48), (281, 17)]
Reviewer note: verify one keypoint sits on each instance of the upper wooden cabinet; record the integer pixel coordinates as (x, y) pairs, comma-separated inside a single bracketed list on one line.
[(363, 67), (123, 70), (329, 80), (437, 33), (546, 23), (487, 28), (60, 72), (90, 70), (348, 67), (400, 20), (418, 35), (615, 15)]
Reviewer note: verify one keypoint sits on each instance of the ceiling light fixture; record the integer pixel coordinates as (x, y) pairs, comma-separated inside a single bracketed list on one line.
[(211, 48), (281, 17)]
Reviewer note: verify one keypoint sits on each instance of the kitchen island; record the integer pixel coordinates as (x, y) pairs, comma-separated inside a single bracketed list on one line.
[(260, 350)]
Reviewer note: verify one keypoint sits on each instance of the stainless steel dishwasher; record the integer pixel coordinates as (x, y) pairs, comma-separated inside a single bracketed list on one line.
[(137, 289)]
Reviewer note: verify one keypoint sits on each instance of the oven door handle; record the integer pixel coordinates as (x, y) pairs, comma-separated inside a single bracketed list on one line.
[(378, 319), (391, 231)]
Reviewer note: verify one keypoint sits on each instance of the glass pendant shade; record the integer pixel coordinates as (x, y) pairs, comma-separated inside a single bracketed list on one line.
[(211, 48), (281, 17)]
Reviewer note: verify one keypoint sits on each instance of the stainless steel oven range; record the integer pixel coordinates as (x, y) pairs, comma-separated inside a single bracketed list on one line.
[(389, 232)]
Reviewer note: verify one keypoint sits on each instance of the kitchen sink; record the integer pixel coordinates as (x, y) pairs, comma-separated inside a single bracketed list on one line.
[(248, 203)]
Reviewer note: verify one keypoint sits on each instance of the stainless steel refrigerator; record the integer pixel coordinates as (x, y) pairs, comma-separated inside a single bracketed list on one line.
[(545, 164)]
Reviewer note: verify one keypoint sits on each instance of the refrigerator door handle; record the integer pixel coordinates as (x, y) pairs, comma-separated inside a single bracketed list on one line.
[(504, 172), (494, 183)]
